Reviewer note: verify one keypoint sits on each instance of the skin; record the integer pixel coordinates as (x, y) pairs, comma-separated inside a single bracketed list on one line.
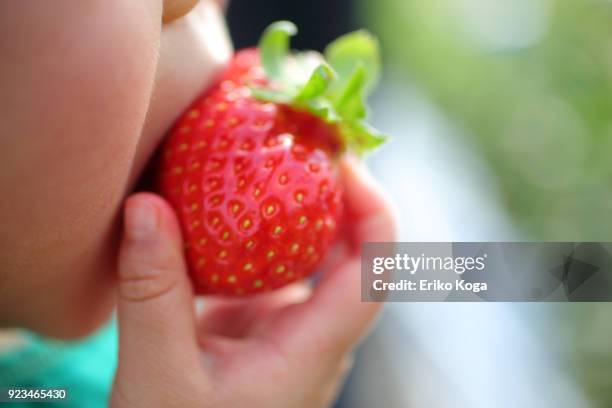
[(88, 91)]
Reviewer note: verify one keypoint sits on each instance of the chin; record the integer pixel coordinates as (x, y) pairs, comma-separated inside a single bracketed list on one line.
[(78, 325), (74, 326), (72, 317)]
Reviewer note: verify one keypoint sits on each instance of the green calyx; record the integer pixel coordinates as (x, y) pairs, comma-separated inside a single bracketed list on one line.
[(333, 86)]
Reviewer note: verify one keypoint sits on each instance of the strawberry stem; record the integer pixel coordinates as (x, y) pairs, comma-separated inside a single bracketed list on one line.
[(333, 87)]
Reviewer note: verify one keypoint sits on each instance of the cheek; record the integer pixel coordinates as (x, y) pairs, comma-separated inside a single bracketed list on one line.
[(81, 115), (84, 288), (61, 296), (60, 274)]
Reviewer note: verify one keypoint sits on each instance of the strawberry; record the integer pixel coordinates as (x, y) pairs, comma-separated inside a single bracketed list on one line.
[(251, 169)]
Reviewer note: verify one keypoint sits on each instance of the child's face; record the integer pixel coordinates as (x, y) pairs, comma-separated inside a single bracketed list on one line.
[(78, 80)]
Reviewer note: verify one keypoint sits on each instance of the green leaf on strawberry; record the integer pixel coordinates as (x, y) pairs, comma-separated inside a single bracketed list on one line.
[(333, 87)]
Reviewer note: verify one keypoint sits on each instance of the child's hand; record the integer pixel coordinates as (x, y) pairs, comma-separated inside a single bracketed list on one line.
[(283, 349)]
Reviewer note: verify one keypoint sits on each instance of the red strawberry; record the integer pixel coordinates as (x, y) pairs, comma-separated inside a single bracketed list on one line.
[(251, 167)]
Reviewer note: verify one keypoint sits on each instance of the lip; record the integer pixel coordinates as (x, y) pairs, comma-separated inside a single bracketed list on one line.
[(193, 51)]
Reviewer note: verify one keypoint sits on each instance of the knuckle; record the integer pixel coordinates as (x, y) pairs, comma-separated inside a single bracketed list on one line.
[(331, 345), (145, 282)]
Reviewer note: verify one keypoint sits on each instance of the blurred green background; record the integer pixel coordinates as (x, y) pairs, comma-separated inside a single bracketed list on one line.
[(531, 83)]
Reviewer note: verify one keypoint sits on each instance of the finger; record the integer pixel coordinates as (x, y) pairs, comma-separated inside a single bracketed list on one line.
[(372, 219), (239, 318), (368, 207), (156, 303), (335, 318)]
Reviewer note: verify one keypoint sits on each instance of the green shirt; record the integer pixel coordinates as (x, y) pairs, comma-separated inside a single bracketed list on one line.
[(85, 368)]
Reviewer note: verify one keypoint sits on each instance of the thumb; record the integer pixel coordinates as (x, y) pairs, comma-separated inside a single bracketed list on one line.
[(156, 302)]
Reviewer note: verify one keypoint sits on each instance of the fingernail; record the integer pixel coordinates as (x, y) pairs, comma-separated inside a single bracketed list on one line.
[(175, 9), (140, 219)]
